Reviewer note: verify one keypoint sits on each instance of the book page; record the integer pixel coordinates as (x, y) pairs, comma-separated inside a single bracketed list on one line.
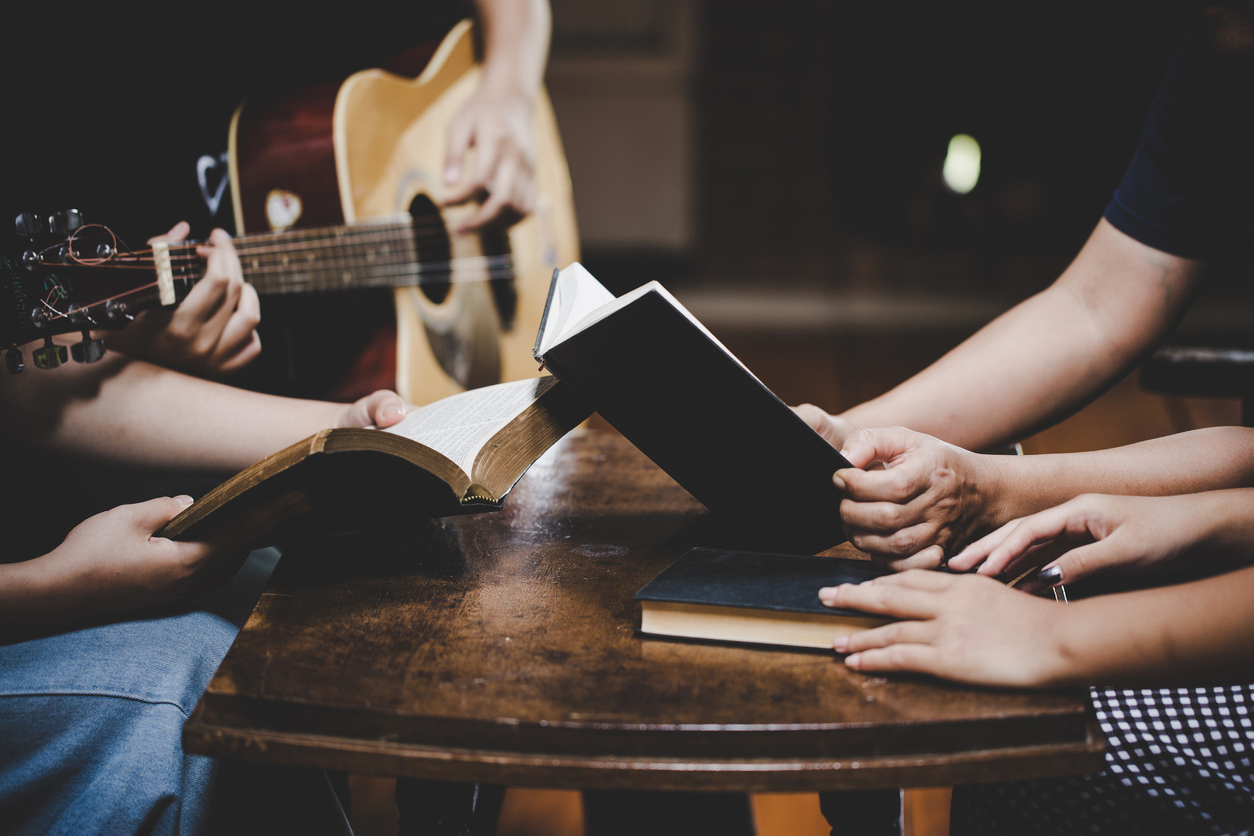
[(459, 426), (576, 294)]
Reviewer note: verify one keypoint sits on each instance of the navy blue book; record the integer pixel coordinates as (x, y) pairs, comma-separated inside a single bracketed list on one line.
[(754, 597)]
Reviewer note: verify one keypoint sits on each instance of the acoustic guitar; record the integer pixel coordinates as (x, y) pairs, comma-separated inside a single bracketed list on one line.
[(368, 154), (347, 179)]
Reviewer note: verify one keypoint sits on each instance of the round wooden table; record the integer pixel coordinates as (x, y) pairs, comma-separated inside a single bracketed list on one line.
[(501, 647)]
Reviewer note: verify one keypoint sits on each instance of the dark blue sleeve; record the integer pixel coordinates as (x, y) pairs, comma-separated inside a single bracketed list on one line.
[(1188, 190)]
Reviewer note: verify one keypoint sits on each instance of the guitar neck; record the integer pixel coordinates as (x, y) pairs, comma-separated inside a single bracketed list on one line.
[(378, 253)]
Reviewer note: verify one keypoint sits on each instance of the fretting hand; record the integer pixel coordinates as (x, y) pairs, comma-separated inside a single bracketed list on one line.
[(213, 331)]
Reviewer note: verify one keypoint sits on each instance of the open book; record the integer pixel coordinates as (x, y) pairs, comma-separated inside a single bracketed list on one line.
[(458, 455), (651, 369)]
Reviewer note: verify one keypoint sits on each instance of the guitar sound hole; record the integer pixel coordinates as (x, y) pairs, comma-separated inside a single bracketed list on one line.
[(495, 241), (434, 251)]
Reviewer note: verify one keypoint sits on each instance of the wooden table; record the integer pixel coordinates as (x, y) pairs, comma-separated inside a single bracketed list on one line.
[(501, 648)]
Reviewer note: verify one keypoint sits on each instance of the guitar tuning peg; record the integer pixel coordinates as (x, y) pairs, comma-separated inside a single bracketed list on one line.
[(13, 359), (87, 351), (49, 355), (65, 222), (28, 224)]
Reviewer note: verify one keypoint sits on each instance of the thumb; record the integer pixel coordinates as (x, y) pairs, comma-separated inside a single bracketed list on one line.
[(459, 138), (150, 516), (176, 234), (381, 409), (864, 446), (1084, 562)]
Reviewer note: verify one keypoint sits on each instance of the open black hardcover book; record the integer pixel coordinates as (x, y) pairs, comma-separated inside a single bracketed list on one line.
[(666, 383)]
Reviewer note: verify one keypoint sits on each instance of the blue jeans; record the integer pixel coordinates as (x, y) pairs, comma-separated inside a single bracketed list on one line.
[(91, 725)]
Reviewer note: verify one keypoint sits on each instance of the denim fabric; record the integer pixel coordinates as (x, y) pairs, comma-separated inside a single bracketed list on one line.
[(91, 727)]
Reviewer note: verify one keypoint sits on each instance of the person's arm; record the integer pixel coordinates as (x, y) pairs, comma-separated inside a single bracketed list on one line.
[(973, 629), (135, 413), (497, 119), (932, 497), (1045, 358), (110, 563)]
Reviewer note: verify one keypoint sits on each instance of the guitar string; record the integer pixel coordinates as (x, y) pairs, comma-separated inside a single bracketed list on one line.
[(140, 288)]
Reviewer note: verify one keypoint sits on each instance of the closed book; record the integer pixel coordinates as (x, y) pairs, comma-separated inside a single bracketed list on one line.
[(754, 597)]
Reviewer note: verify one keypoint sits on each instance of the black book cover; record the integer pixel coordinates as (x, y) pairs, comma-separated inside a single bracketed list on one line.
[(701, 416), (756, 580)]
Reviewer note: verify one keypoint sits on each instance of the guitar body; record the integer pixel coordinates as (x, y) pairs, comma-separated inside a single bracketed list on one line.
[(374, 145)]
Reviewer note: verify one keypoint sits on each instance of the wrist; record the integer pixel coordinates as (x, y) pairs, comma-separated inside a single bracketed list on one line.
[(995, 491), (1062, 650)]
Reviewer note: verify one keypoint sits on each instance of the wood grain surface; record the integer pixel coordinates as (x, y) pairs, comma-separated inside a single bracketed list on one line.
[(501, 647)]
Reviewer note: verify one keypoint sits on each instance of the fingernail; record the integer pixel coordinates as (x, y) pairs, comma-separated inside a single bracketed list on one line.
[(853, 660), (1050, 575), (452, 174), (389, 411), (838, 481), (840, 643), (184, 499)]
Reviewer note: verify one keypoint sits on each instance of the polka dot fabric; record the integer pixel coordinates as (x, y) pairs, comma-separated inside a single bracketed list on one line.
[(1178, 761)]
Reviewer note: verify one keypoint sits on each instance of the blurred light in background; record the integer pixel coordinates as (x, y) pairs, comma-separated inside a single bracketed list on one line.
[(962, 164)]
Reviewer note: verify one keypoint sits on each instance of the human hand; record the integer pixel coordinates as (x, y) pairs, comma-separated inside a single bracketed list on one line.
[(378, 409), (1092, 534), (930, 496), (963, 627), (114, 561), (833, 428), (212, 332), (496, 122)]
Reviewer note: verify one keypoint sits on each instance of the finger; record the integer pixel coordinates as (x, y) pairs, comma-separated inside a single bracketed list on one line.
[(177, 233), (930, 558), (460, 136), (976, 553), (151, 515), (883, 444), (901, 543), (882, 599), (899, 632), (1035, 557), (1084, 562), (491, 209), (1030, 531), (381, 409), (240, 331), (919, 658), (898, 484)]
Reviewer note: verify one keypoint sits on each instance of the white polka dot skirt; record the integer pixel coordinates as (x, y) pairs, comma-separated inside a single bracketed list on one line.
[(1177, 762)]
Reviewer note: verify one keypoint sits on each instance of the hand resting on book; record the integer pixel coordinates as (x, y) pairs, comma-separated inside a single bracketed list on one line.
[(964, 627)]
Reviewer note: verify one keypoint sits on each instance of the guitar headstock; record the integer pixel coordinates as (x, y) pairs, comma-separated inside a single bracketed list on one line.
[(78, 277)]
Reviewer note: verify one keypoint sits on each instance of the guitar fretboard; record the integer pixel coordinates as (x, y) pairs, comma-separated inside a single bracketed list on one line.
[(381, 252)]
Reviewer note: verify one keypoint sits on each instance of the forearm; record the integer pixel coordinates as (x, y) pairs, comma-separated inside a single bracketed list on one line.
[(1048, 356), (128, 411), (516, 43), (1211, 459), (1191, 634)]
